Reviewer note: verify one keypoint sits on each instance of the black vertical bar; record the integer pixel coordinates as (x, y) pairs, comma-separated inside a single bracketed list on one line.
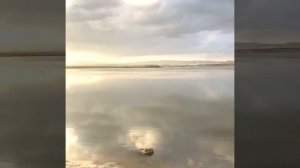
[(32, 84), (267, 92)]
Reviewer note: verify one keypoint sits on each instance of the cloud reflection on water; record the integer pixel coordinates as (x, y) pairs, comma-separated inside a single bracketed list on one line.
[(185, 115)]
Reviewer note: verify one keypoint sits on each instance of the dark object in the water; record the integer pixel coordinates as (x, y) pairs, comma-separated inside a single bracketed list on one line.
[(147, 151)]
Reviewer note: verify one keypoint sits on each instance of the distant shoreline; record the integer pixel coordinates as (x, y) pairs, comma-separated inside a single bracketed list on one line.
[(149, 66)]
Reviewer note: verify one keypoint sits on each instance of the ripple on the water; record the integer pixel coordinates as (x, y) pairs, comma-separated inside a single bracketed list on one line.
[(90, 164)]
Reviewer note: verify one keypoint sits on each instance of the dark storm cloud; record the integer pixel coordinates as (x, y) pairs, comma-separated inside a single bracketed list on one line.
[(32, 25), (166, 27), (261, 20)]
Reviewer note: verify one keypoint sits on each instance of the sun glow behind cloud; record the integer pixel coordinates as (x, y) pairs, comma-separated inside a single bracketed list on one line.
[(69, 3), (141, 3)]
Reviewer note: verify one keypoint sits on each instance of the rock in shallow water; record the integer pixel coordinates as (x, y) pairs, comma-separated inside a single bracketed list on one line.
[(147, 151)]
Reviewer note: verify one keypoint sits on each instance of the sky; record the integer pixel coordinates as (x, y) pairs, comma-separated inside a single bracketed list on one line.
[(267, 21), (32, 25), (99, 31)]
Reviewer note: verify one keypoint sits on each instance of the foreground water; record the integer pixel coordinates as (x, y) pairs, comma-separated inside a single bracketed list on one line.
[(185, 115)]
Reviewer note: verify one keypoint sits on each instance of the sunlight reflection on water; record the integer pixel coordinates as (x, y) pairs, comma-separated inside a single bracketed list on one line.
[(143, 137), (186, 116)]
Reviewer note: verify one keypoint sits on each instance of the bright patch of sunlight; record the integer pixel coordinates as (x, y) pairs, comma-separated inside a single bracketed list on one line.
[(143, 137), (71, 138), (141, 3), (69, 3)]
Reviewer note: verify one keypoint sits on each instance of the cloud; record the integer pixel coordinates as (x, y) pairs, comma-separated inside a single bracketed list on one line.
[(165, 27), (90, 10)]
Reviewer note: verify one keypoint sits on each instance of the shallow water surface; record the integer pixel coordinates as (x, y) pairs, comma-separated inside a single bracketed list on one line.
[(186, 115)]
